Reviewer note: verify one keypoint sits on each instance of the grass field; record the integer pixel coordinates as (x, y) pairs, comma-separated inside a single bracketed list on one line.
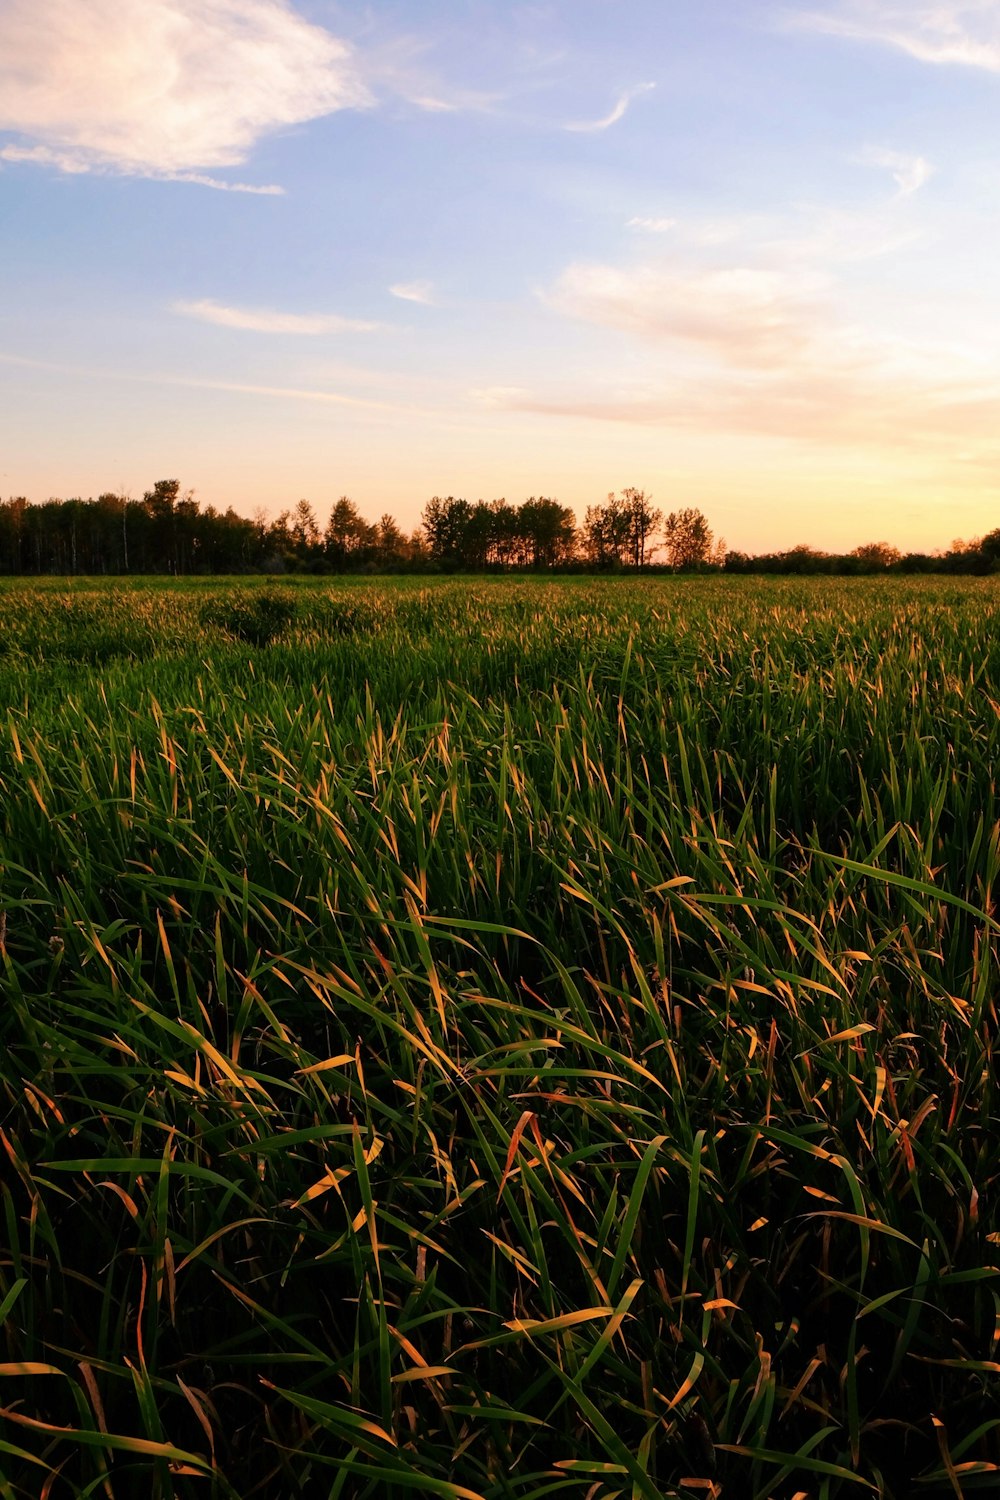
[(499, 1039)]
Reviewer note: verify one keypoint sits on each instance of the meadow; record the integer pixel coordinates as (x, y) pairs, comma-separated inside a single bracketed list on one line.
[(500, 1039)]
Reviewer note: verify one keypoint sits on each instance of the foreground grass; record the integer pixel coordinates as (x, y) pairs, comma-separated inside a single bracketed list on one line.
[(499, 1040)]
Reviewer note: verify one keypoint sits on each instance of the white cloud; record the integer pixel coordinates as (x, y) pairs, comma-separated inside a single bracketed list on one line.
[(404, 64), (63, 161), (448, 101), (616, 114), (434, 106), (762, 348), (188, 382), (290, 393), (910, 173), (501, 397), (748, 315), (414, 291), (964, 32), (163, 88), (75, 165), (266, 320), (260, 190), (651, 226)]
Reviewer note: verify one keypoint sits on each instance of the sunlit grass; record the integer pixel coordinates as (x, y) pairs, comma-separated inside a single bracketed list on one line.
[(499, 1039)]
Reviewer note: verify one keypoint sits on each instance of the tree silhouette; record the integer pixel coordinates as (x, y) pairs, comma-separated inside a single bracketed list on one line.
[(641, 522), (347, 534), (687, 538)]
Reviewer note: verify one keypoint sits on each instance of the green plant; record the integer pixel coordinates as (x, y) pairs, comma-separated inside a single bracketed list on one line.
[(550, 1050)]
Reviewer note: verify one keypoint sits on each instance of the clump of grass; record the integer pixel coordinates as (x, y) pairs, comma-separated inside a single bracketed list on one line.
[(258, 617), (552, 1051)]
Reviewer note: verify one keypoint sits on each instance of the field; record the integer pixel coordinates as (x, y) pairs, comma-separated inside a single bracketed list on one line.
[(499, 1039)]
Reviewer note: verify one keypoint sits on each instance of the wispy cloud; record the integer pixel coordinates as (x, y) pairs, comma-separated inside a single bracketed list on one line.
[(964, 33), (164, 88), (616, 114), (751, 348), (402, 65), (501, 397), (826, 410), (237, 387), (414, 291), (651, 226), (746, 315), (267, 320), (44, 156), (910, 173), (283, 392), (78, 165), (260, 190), (447, 101), (433, 105)]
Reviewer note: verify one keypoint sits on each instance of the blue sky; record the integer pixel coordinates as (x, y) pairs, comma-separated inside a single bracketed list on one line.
[(740, 254)]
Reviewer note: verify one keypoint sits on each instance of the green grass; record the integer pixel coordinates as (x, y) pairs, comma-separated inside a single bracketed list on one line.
[(499, 1039)]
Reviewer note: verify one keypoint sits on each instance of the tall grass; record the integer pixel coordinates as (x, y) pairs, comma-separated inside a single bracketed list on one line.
[(500, 1040)]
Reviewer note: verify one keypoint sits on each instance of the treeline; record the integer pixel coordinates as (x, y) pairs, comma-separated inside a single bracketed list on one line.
[(169, 531), (976, 557)]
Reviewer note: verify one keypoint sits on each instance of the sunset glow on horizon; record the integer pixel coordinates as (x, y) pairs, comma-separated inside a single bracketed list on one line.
[(740, 255)]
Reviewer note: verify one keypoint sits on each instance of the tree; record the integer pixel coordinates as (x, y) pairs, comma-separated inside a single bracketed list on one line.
[(13, 533), (187, 533), (620, 531), (347, 534), (548, 530), (390, 544), (606, 533), (503, 533), (802, 559), (476, 546), (159, 504), (687, 537), (111, 517), (876, 557), (304, 532), (446, 525), (641, 521)]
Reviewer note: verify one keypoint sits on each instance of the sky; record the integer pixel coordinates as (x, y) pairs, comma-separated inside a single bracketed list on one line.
[(737, 253)]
